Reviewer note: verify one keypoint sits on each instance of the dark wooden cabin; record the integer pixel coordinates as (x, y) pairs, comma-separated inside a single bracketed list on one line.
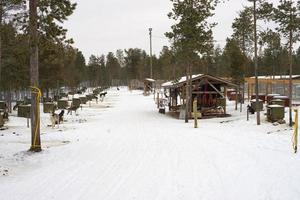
[(210, 92)]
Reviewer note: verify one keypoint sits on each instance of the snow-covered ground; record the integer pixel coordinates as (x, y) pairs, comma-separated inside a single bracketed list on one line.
[(123, 149)]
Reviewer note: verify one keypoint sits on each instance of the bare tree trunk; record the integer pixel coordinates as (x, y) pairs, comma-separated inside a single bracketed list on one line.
[(190, 91), (34, 77), (255, 65), (9, 100)]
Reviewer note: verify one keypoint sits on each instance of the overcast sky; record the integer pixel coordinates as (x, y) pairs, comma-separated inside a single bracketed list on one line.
[(101, 26)]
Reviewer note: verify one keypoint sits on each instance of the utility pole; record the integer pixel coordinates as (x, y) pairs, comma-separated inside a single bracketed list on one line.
[(291, 66), (255, 64), (151, 63), (34, 78)]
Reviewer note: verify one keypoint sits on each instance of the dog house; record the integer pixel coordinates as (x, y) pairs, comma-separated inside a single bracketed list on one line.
[(210, 92), (24, 111), (89, 97), (260, 96), (63, 95), (3, 105), (285, 99), (260, 104), (97, 91), (76, 102), (270, 97), (47, 99), (275, 113), (1, 121), (62, 104), (49, 107), (276, 102), (83, 99)]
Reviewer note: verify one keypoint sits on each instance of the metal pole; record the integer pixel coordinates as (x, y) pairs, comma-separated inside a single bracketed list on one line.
[(291, 68), (151, 69)]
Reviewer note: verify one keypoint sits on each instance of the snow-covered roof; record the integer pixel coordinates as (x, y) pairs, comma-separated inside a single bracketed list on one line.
[(183, 79), (275, 106), (280, 97), (149, 79), (64, 99), (254, 100), (283, 77), (273, 95)]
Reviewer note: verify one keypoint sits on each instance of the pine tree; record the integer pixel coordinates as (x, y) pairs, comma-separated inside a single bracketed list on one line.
[(7, 7), (113, 67), (243, 30), (261, 10), (192, 34), (236, 61), (286, 16), (45, 18)]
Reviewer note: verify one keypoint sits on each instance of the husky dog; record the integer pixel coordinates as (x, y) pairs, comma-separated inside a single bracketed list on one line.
[(103, 94), (57, 119), (250, 109)]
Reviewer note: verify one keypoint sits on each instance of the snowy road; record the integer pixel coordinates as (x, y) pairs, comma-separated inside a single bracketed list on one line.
[(130, 152)]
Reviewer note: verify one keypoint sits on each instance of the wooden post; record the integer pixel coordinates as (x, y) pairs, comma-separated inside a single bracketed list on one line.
[(225, 96), (236, 98), (157, 99), (195, 110), (295, 136), (247, 114), (241, 101), (249, 86)]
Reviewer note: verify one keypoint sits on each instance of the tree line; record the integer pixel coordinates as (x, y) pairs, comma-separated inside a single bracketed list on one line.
[(61, 64)]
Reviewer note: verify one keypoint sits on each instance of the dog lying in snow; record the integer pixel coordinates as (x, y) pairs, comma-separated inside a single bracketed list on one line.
[(57, 119)]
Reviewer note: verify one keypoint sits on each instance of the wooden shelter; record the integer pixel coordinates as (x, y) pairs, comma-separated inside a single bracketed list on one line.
[(149, 85), (210, 92)]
